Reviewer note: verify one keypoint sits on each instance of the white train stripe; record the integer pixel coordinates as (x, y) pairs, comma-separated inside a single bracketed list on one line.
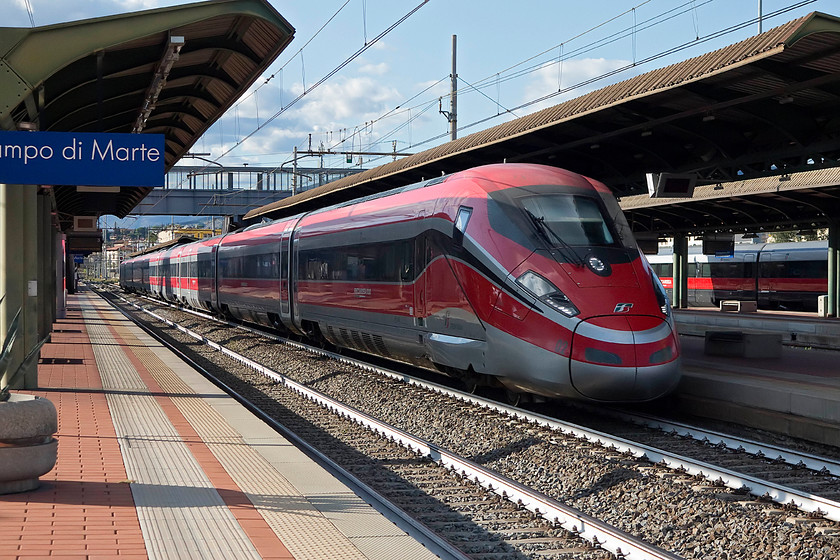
[(613, 336)]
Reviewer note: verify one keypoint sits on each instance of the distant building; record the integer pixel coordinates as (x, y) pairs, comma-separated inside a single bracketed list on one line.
[(168, 234), (114, 255)]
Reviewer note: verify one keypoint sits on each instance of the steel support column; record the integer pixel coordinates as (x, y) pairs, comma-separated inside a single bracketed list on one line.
[(680, 265), (833, 268), (12, 277), (44, 265), (32, 288), (49, 256), (60, 287), (676, 279)]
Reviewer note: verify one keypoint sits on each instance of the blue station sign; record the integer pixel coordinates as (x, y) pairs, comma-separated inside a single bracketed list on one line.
[(81, 158)]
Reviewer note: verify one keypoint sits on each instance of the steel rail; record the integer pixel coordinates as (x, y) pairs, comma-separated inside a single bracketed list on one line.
[(586, 527), (801, 459), (778, 493)]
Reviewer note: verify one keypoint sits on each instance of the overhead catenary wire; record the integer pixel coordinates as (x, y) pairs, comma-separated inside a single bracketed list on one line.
[(498, 78), (29, 11), (335, 70), (292, 58), (661, 54)]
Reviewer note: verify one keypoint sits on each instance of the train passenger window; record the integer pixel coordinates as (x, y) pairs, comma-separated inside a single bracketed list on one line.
[(406, 261), (464, 213), (376, 262), (808, 269), (727, 269), (461, 221), (772, 269)]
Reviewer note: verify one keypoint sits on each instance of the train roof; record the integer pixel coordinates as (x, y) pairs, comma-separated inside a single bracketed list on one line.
[(741, 248)]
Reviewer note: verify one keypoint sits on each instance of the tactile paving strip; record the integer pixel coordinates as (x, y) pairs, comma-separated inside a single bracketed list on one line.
[(180, 512)]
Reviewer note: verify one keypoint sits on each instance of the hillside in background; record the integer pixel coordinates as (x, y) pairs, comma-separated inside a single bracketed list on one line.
[(134, 222)]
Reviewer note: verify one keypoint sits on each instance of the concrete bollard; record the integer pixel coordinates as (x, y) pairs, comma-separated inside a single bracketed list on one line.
[(28, 449)]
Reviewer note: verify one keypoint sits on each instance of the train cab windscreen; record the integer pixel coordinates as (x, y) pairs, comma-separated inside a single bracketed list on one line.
[(576, 220), (558, 216)]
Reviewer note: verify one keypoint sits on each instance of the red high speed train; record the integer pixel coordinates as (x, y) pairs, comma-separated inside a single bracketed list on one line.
[(524, 274), (775, 275)]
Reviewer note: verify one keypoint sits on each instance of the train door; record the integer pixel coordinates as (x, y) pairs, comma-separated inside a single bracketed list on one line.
[(288, 275), (215, 275), (285, 274), (422, 257), (771, 269)]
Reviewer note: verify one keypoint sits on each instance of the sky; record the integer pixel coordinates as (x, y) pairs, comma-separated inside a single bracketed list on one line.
[(513, 58)]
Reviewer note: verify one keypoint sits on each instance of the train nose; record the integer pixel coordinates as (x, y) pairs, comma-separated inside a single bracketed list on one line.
[(624, 358)]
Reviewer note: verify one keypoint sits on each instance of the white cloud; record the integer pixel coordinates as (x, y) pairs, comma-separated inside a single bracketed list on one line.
[(346, 102), (331, 112), (136, 5), (375, 69)]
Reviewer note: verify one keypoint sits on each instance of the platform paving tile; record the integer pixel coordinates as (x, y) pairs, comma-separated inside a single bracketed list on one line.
[(87, 484), (292, 495)]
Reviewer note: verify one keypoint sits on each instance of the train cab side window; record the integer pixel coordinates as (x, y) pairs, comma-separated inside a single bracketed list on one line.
[(461, 221)]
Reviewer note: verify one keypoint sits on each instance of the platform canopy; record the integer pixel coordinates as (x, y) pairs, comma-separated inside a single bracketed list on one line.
[(171, 71), (763, 107)]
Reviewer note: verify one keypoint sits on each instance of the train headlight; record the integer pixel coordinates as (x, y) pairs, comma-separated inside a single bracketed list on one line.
[(547, 292)]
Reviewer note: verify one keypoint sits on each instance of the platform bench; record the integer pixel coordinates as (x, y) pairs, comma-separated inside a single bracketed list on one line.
[(738, 306), (744, 344)]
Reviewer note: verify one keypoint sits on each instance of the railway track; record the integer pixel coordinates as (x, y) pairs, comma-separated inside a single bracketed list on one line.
[(663, 502)]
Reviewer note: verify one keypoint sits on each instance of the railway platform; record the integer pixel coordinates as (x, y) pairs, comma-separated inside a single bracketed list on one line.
[(154, 461), (796, 328), (794, 389)]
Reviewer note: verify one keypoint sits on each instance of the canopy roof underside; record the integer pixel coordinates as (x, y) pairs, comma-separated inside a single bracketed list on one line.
[(96, 75)]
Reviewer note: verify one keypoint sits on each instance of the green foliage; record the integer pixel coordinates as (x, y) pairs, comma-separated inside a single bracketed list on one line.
[(796, 236)]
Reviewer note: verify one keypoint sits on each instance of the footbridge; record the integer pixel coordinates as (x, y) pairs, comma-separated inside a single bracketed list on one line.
[(231, 191)]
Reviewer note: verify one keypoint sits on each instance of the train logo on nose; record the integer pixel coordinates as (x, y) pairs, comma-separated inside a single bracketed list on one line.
[(622, 307)]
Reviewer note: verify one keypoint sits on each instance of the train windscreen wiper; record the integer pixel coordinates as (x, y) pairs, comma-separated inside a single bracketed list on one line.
[(544, 230)]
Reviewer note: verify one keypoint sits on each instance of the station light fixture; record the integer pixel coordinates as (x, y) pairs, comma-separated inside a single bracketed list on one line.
[(170, 56)]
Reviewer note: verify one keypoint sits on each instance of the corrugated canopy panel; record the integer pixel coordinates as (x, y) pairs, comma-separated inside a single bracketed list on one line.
[(806, 200)]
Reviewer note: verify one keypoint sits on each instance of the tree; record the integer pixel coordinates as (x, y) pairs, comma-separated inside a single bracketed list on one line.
[(796, 236)]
